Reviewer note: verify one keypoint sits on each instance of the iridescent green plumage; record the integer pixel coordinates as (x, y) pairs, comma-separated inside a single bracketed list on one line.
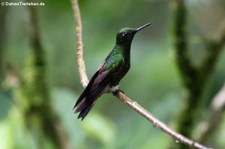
[(114, 68)]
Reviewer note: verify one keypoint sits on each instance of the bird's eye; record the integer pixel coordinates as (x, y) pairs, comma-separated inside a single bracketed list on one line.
[(124, 34)]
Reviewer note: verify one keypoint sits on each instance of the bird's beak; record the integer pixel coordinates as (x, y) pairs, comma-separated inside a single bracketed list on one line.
[(143, 26)]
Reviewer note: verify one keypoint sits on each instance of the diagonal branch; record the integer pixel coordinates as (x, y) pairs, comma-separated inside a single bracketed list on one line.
[(120, 95), (157, 123)]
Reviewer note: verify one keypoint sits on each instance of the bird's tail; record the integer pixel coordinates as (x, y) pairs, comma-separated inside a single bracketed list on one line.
[(89, 96), (84, 106)]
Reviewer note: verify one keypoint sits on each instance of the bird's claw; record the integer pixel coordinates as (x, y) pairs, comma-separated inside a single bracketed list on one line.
[(116, 91)]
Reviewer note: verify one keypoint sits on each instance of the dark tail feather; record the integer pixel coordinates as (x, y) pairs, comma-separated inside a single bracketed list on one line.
[(88, 101), (84, 106), (83, 113), (86, 91), (89, 96)]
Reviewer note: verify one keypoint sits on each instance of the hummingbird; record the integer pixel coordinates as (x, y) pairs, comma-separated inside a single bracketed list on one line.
[(109, 74)]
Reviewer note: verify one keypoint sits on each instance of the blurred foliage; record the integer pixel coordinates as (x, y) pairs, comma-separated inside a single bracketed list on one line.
[(153, 80)]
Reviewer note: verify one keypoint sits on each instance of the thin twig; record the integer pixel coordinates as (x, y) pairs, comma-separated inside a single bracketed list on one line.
[(121, 96), (80, 45), (157, 123)]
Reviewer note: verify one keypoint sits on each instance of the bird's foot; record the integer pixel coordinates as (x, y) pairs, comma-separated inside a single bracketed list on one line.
[(116, 91)]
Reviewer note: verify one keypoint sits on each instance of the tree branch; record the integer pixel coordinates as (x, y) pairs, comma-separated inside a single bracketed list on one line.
[(157, 123), (194, 78), (79, 55), (39, 100), (189, 73), (186, 68), (120, 95)]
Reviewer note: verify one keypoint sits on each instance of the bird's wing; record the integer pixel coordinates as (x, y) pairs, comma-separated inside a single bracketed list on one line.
[(96, 86)]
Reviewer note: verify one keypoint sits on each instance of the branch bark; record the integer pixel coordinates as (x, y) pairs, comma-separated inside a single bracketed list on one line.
[(189, 73), (187, 70), (79, 54), (120, 95), (157, 123)]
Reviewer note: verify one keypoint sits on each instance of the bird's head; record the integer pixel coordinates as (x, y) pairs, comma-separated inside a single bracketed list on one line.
[(125, 35)]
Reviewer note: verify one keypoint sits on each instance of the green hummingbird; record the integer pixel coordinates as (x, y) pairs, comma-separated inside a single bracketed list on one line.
[(109, 74)]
